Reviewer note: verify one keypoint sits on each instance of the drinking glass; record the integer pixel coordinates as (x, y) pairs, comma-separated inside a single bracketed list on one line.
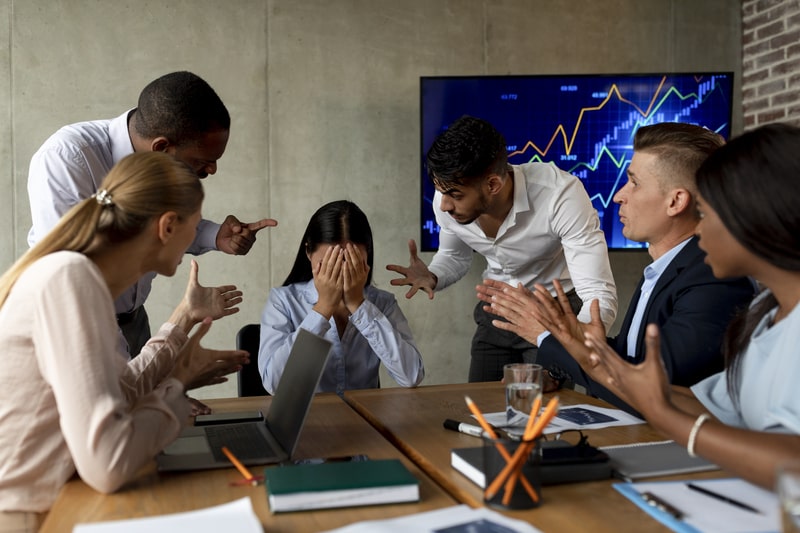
[(523, 383), (788, 488)]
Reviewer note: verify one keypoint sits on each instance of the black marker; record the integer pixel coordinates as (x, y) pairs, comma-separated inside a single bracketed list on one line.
[(722, 498), (461, 427)]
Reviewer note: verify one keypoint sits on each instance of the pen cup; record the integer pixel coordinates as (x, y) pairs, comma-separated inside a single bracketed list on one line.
[(525, 494)]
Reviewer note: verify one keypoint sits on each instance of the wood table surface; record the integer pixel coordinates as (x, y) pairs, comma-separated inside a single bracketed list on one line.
[(412, 419), (332, 429)]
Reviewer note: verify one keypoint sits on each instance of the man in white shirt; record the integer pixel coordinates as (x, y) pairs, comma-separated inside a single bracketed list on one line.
[(533, 223), (178, 113), (678, 291)]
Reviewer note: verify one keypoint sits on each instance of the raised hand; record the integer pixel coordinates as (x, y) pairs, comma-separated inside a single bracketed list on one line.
[(215, 302), (514, 304), (200, 302), (644, 386), (557, 316), (416, 274), (236, 238), (355, 271), (197, 366)]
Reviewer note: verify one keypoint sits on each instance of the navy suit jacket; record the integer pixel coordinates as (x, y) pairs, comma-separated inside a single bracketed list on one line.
[(692, 309)]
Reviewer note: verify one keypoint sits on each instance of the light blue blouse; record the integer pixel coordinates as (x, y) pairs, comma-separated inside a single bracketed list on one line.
[(769, 373), (376, 333)]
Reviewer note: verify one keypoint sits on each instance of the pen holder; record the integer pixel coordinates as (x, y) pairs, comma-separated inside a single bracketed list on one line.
[(523, 492)]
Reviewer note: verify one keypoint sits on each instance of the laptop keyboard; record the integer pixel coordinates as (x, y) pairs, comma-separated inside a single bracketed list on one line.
[(244, 440)]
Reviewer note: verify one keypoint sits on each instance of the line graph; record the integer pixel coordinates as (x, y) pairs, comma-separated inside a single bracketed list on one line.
[(583, 124)]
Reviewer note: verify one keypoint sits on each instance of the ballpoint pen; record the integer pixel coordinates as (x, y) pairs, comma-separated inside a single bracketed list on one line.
[(722, 498), (663, 505)]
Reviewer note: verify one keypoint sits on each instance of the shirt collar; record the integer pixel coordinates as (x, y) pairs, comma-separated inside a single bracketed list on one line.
[(121, 144), (657, 267)]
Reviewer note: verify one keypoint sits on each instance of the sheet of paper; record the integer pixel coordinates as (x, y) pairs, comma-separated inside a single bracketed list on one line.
[(708, 514), (457, 519), (234, 516), (581, 416)]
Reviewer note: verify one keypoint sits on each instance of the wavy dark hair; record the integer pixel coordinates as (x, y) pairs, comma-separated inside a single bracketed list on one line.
[(468, 149), (753, 183), (333, 223)]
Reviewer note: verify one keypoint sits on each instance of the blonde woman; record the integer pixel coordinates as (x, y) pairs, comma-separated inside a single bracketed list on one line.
[(67, 402)]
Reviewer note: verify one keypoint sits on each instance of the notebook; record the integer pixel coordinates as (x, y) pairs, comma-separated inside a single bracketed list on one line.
[(650, 459), (269, 441)]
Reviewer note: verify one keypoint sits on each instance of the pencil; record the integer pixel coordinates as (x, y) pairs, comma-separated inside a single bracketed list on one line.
[(239, 466)]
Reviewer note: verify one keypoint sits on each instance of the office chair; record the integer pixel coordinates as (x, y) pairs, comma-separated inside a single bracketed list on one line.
[(248, 378)]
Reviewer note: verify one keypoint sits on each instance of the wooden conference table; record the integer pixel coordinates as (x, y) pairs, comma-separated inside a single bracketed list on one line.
[(410, 426), (332, 429), (412, 420)]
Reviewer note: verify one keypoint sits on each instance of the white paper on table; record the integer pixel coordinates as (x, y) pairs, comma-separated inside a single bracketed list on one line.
[(581, 416), (234, 516), (456, 519), (707, 514)]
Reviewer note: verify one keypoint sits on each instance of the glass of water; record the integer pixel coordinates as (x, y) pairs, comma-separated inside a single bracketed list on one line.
[(523, 383), (788, 488)]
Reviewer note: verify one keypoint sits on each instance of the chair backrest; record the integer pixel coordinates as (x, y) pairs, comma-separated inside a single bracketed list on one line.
[(249, 380)]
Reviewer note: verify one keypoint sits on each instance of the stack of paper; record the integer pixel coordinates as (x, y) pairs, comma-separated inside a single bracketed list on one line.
[(731, 505), (235, 516)]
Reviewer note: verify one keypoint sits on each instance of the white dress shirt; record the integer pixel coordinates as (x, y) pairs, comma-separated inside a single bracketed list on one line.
[(70, 166), (552, 232)]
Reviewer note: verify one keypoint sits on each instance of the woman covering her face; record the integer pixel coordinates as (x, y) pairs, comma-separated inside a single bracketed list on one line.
[(328, 292)]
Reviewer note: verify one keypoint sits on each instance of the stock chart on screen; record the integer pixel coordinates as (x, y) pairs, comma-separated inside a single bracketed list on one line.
[(584, 124)]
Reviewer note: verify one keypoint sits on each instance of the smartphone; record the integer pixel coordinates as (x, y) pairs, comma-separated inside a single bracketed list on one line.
[(228, 418)]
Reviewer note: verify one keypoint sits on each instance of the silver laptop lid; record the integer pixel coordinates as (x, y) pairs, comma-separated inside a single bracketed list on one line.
[(296, 388)]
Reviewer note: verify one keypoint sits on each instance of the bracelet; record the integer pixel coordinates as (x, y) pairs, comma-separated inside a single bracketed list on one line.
[(693, 433)]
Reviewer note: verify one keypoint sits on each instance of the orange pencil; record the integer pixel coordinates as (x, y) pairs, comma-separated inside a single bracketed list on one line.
[(515, 475), (239, 466)]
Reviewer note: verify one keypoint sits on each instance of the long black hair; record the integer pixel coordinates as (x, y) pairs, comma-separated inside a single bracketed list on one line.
[(753, 183), (333, 223)]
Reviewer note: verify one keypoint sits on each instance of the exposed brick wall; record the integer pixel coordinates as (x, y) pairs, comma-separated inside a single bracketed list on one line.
[(770, 61)]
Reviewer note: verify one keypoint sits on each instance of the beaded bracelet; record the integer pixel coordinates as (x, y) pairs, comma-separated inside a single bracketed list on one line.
[(693, 433)]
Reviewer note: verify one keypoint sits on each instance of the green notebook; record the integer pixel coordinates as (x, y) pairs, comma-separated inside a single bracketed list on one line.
[(339, 484)]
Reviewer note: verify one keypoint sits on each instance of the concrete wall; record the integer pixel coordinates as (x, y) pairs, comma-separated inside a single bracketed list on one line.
[(324, 101)]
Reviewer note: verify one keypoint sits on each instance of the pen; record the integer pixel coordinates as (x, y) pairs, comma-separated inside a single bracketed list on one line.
[(659, 503), (461, 427), (240, 467), (722, 498)]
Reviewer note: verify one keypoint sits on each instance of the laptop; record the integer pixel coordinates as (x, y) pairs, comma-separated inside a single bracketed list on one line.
[(267, 441)]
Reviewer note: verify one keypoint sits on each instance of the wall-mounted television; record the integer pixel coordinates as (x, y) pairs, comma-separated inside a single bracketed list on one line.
[(584, 124)]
